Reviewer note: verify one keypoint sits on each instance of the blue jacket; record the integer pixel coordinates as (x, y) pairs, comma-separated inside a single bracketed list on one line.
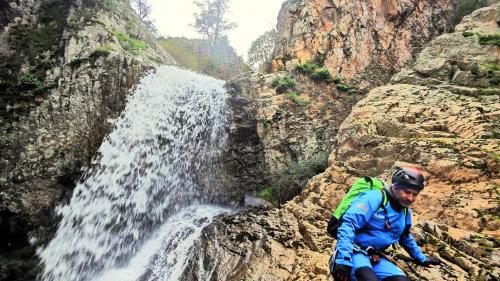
[(364, 224)]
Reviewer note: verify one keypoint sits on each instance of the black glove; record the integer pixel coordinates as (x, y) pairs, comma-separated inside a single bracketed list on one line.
[(333, 226), (342, 272), (432, 260)]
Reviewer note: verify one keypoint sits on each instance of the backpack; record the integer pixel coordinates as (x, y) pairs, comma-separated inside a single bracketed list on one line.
[(361, 185)]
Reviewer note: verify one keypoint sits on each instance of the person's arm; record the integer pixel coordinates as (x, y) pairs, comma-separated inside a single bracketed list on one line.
[(408, 242), (362, 208)]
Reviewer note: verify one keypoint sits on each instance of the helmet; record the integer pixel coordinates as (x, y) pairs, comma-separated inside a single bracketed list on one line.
[(408, 178)]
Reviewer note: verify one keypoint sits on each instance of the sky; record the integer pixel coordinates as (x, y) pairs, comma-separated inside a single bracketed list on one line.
[(254, 17)]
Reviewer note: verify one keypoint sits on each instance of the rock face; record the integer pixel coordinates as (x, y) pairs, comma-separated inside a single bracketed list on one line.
[(271, 129), (66, 67), (365, 40), (427, 117)]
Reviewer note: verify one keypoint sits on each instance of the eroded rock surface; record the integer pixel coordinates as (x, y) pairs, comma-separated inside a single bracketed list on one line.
[(366, 40), (447, 127), (271, 129)]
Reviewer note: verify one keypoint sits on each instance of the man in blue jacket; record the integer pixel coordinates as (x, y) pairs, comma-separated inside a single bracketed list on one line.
[(369, 227)]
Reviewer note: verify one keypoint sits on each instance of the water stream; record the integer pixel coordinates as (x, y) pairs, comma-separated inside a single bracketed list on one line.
[(137, 213)]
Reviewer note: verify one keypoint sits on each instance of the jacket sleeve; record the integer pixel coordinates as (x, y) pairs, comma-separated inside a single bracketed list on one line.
[(408, 242), (362, 208)]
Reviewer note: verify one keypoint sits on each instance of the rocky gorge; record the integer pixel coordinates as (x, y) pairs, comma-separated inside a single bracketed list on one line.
[(439, 113), (433, 102)]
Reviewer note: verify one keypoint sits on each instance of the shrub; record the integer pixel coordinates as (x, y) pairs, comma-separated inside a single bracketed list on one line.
[(283, 84), (291, 181), (306, 67), (322, 74), (30, 86), (490, 39), (268, 194), (297, 99)]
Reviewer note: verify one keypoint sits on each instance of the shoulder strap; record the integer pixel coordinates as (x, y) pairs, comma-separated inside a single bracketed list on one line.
[(382, 205), (369, 180)]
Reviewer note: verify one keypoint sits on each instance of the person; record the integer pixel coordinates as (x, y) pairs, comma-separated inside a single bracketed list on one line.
[(369, 228)]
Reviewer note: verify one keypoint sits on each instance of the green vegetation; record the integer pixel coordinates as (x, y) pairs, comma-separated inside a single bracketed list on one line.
[(307, 67), (198, 55), (291, 181), (492, 66), (283, 84), (485, 39), (130, 44), (297, 99), (30, 86), (321, 74), (469, 33), (315, 71), (268, 194), (337, 79), (343, 87), (266, 123), (489, 91), (490, 39)]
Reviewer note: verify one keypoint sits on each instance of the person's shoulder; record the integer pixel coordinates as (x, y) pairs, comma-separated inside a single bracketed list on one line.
[(373, 196)]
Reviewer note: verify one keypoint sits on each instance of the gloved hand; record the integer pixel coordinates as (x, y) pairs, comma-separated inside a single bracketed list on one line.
[(342, 272), (431, 261)]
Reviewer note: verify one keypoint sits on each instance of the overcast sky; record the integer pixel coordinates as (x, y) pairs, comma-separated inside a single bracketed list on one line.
[(254, 17)]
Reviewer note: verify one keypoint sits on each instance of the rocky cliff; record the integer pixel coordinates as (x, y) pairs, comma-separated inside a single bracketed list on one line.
[(439, 114), (273, 129), (65, 70), (364, 41)]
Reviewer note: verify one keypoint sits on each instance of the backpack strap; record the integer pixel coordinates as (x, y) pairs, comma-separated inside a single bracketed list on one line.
[(386, 214)]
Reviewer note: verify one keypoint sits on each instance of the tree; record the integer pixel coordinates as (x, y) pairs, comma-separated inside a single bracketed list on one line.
[(210, 19), (262, 48), (143, 9)]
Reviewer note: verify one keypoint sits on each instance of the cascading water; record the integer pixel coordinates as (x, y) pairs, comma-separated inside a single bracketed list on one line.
[(124, 222)]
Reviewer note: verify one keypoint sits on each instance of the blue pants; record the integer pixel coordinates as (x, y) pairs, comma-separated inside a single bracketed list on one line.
[(382, 269)]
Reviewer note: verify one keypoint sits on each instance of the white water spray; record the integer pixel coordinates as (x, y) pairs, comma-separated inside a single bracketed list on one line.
[(157, 161)]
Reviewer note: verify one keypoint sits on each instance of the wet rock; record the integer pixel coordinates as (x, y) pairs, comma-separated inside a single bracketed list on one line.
[(425, 118)]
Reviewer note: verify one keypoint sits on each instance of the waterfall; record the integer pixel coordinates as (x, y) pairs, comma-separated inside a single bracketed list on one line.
[(141, 206)]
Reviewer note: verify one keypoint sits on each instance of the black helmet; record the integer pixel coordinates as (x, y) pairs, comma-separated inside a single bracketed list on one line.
[(409, 178)]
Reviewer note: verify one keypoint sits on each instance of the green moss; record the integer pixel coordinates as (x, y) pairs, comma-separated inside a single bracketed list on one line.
[(283, 84), (129, 43), (297, 99), (490, 39)]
